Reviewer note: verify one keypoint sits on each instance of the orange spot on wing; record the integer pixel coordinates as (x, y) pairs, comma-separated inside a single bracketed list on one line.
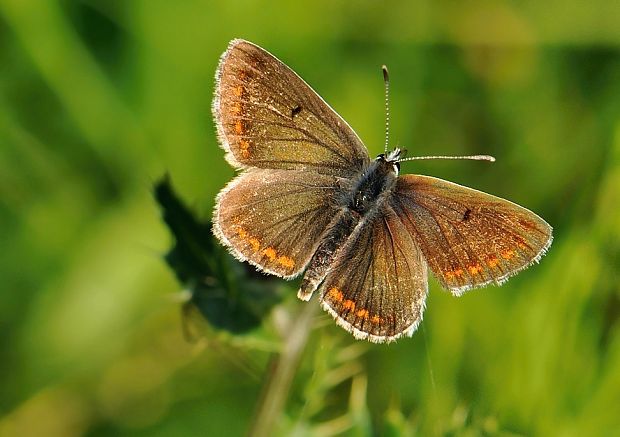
[(244, 145), (492, 262), (255, 243), (527, 224), (270, 253), (286, 261), (335, 294), (349, 305), (363, 313), (236, 108), (376, 320), (238, 90), (248, 238), (451, 274), (242, 233), (474, 269), (507, 254), (238, 127)]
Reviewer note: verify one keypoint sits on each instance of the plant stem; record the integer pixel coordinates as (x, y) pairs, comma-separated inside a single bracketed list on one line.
[(283, 370)]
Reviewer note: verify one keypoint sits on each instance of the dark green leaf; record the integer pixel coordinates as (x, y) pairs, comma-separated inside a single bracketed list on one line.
[(226, 292)]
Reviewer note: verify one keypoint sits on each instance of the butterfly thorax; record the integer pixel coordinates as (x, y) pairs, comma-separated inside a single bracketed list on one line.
[(378, 178), (359, 201)]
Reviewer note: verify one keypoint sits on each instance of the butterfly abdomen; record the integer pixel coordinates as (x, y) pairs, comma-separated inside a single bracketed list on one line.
[(335, 236)]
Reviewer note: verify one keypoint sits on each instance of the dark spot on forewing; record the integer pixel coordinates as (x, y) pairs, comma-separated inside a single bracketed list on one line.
[(295, 111), (466, 215)]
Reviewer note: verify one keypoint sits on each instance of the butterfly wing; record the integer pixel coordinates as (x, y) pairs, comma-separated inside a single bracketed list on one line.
[(468, 238), (275, 218), (268, 117), (377, 286)]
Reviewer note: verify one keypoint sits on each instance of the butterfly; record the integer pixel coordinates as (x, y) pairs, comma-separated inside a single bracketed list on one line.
[(309, 199)]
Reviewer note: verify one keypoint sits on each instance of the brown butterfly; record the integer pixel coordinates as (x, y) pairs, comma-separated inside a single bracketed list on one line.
[(309, 199)]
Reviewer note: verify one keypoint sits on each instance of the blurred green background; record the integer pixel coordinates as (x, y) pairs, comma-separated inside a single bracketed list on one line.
[(98, 99)]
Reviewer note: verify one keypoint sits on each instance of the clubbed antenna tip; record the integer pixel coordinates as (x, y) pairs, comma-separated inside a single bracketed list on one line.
[(386, 81)]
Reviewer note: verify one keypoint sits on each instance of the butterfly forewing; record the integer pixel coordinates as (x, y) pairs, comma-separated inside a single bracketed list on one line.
[(377, 286), (468, 238), (275, 218), (268, 117)]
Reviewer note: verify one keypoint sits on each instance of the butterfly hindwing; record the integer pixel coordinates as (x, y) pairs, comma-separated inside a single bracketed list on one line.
[(275, 218), (468, 238), (268, 117), (378, 283)]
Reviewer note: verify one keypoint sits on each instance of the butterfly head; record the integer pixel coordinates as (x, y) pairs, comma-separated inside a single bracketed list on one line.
[(391, 158)]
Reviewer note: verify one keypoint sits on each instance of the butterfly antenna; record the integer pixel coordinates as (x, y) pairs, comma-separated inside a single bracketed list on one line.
[(472, 157), (386, 81)]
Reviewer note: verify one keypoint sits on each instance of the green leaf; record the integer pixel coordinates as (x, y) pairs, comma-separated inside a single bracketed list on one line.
[(228, 294)]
